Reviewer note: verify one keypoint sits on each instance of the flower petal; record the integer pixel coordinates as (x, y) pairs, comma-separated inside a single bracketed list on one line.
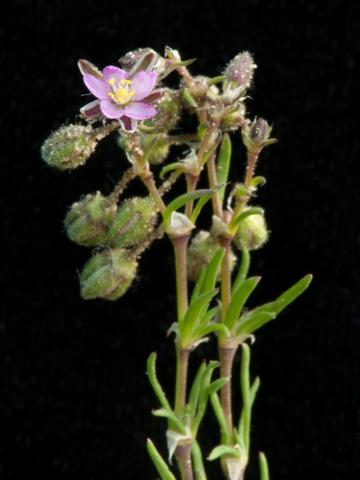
[(96, 86), (143, 83), (116, 72), (139, 111), (110, 110), (91, 109), (153, 97), (128, 124)]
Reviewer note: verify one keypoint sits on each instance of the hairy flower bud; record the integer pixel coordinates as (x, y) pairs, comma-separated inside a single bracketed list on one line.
[(257, 135), (134, 221), (107, 275), (252, 232), (158, 146), (168, 111), (69, 147), (143, 59), (87, 222), (200, 252), (240, 70)]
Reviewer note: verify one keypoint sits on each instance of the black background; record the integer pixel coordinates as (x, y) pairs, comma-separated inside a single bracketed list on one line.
[(74, 401)]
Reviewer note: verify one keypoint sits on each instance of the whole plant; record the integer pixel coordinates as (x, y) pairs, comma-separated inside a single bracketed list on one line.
[(212, 265)]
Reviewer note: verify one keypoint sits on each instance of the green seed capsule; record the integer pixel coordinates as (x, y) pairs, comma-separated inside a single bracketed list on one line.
[(133, 222), (169, 110), (107, 275), (252, 232), (87, 222), (69, 147), (200, 252)]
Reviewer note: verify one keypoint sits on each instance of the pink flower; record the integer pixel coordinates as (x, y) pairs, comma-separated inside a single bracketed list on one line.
[(119, 95)]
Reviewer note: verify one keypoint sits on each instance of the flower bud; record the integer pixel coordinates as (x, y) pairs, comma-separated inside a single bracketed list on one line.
[(257, 135), (69, 147), (142, 59), (252, 232), (159, 147), (133, 222), (168, 111), (200, 252), (107, 275), (87, 222), (240, 70)]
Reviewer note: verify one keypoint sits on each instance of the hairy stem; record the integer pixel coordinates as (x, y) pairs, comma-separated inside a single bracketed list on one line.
[(250, 167), (128, 175), (149, 182)]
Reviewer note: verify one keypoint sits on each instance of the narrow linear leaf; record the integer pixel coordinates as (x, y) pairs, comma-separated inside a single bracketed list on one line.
[(220, 416), (254, 321), (197, 289), (195, 390), (189, 99), (216, 385), (151, 372), (160, 464), (223, 163), (215, 327), (254, 389), (263, 466), (245, 419), (168, 168), (199, 206), (251, 211), (243, 269), (212, 271), (164, 413), (209, 315), (222, 450), (199, 468), (239, 298), (194, 313), (204, 396), (181, 201)]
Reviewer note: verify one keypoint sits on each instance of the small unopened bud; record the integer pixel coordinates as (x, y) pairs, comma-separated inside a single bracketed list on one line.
[(69, 147), (142, 59), (200, 252), (252, 232), (88, 220), (134, 221), (257, 135), (107, 275), (168, 111), (240, 70)]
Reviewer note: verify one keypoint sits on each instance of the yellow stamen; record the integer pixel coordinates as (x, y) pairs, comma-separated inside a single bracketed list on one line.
[(121, 93)]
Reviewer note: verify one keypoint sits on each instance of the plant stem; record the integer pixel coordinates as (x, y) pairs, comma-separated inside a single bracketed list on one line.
[(183, 456), (191, 182), (180, 249), (226, 357), (250, 167), (128, 175), (225, 278), (182, 362), (216, 200), (148, 181)]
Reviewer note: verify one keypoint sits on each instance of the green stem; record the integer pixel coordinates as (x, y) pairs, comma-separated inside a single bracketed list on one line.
[(182, 363), (226, 357), (216, 200)]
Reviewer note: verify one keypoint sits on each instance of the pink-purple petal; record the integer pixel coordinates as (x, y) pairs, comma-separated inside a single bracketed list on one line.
[(139, 111), (143, 83), (128, 124), (96, 86), (114, 72), (91, 109), (111, 110)]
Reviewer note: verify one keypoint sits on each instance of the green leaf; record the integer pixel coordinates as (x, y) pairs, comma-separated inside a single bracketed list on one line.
[(217, 385), (168, 168), (222, 450), (223, 163), (251, 211), (215, 327), (258, 181), (244, 268), (220, 416), (209, 315), (199, 468), (195, 389), (189, 99), (253, 321), (165, 413), (151, 372), (181, 201), (203, 397), (238, 300), (193, 315), (212, 271), (287, 297), (214, 80), (263, 466), (254, 389), (199, 206), (158, 461), (197, 289), (245, 419)]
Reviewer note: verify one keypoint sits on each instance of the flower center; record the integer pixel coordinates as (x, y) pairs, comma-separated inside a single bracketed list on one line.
[(121, 92)]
